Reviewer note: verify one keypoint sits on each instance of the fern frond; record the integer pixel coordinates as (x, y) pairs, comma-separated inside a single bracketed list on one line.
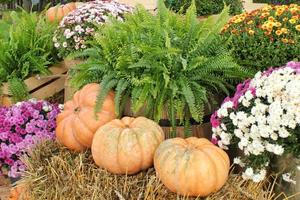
[(18, 90), (121, 87), (106, 85), (189, 97)]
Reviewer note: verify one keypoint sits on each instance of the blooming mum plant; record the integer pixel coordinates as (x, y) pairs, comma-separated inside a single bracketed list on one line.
[(262, 119), (80, 25), (21, 127), (266, 37)]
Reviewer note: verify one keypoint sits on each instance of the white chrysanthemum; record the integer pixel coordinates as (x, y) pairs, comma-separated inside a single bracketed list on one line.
[(287, 177), (267, 113), (278, 150)]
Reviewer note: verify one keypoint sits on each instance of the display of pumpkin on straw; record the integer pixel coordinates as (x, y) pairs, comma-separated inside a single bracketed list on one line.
[(192, 166), (78, 122), (127, 145), (57, 13)]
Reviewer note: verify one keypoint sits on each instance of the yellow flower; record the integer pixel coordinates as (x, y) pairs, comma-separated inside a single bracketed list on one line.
[(238, 20), (280, 10), (266, 8), (292, 21), (264, 26), (264, 14), (284, 30), (294, 10), (272, 19), (284, 40), (270, 24), (285, 19), (269, 29), (277, 24), (278, 32), (298, 27), (251, 32), (250, 22)]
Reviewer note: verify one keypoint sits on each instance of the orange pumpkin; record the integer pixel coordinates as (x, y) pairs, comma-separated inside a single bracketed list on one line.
[(77, 124), (18, 193), (127, 146), (192, 166), (57, 13)]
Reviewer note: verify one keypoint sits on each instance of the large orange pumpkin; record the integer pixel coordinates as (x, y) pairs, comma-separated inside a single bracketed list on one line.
[(192, 166), (56, 13), (127, 146), (77, 124), (18, 193)]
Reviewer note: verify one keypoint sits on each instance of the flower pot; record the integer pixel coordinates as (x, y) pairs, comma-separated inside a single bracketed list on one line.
[(197, 129), (288, 164), (70, 63), (69, 90)]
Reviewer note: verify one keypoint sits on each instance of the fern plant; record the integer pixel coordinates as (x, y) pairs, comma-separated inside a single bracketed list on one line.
[(27, 50), (161, 62)]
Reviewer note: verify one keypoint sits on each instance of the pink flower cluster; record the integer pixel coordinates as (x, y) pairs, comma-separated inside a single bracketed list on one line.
[(241, 89), (21, 127)]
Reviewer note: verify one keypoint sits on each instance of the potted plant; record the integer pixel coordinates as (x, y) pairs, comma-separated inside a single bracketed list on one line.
[(262, 120), (25, 50), (22, 126), (168, 66), (265, 37), (79, 26)]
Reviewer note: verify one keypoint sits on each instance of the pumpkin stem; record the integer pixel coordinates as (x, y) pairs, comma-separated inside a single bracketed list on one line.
[(77, 110)]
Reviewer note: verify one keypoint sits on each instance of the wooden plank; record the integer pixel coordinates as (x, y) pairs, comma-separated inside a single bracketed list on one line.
[(200, 131), (6, 101), (50, 89), (35, 82), (148, 4)]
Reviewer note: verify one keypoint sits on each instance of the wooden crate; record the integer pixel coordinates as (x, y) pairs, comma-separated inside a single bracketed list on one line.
[(40, 87)]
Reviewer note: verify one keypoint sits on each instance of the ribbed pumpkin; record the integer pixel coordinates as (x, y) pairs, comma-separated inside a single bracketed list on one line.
[(77, 124), (56, 13), (192, 166), (126, 146)]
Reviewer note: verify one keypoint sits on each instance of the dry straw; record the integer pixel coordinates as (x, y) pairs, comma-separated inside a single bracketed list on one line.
[(55, 173)]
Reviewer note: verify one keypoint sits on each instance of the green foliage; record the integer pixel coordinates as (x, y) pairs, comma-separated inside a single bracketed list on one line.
[(206, 7), (162, 62), (18, 90), (26, 47)]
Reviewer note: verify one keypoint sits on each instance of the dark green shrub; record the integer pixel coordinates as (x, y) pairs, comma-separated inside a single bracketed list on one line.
[(206, 7)]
